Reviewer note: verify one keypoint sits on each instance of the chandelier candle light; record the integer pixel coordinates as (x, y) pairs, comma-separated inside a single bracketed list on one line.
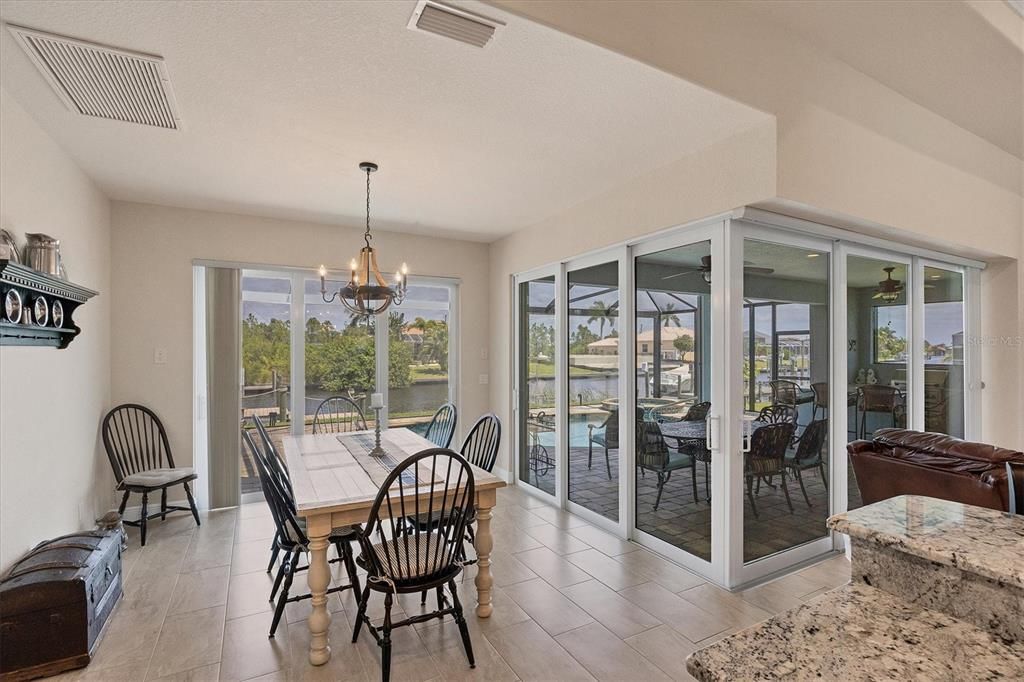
[(367, 293)]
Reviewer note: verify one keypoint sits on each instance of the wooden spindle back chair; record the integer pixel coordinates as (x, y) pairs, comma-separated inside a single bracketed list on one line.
[(481, 445), (441, 429), (401, 557), (338, 414), (140, 455)]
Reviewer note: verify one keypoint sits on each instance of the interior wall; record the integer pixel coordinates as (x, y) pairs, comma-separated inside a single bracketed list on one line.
[(153, 249), (53, 471), (716, 179)]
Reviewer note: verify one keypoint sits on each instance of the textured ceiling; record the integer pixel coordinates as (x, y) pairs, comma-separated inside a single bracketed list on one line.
[(281, 100)]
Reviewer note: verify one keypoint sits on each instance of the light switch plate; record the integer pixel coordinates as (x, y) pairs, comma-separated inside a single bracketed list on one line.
[(159, 356), (484, 379)]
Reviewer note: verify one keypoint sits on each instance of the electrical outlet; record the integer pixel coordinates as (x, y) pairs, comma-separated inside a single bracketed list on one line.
[(159, 356), (484, 379), (483, 353)]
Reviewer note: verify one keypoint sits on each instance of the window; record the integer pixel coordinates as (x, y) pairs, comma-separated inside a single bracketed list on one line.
[(889, 334)]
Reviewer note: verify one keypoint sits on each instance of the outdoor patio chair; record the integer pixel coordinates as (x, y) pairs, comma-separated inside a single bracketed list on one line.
[(808, 454), (605, 434), (767, 457), (401, 558), (784, 392), (441, 429), (698, 412), (140, 455), (338, 414), (291, 537), (653, 454), (879, 399), (778, 413)]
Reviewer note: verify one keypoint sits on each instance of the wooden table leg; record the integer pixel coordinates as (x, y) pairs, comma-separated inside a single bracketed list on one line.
[(484, 544), (318, 528)]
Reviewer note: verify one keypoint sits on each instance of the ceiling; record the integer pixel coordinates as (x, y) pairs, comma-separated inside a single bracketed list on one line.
[(280, 101)]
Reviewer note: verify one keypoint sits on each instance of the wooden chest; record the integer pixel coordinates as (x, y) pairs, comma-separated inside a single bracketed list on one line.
[(54, 603)]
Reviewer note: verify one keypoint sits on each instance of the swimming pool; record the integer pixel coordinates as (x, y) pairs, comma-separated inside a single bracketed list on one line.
[(579, 434)]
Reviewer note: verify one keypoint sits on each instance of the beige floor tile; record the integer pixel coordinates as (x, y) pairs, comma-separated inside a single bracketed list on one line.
[(248, 511), (300, 610), (607, 607), (506, 569), (444, 642), (506, 612), (689, 620), (558, 517), (556, 539), (606, 569), (187, 641), (131, 672), (605, 542), (780, 595), (552, 568), (206, 673), (552, 610), (830, 573), (249, 593), (606, 656), (513, 538), (732, 607), (278, 676), (515, 514), (534, 655), (200, 590), (251, 557), (160, 558), (248, 650), (255, 528), (133, 631), (667, 574), (410, 659), (665, 648), (208, 552)]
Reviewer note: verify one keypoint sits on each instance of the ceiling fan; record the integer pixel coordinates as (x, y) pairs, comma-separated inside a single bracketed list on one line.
[(889, 289), (705, 270)]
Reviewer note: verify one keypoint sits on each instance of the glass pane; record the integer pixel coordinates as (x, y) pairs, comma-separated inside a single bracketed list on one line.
[(537, 443), (266, 362), (876, 350), (786, 468), (418, 357), (593, 344), (673, 353), (341, 355), (944, 351)]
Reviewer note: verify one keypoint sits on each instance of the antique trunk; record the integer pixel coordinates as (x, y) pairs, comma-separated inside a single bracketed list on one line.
[(54, 603)]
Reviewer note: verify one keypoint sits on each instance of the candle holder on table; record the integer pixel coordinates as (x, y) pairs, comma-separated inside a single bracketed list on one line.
[(377, 404)]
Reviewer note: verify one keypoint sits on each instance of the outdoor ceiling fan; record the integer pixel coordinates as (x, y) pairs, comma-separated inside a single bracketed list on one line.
[(889, 289), (705, 270)]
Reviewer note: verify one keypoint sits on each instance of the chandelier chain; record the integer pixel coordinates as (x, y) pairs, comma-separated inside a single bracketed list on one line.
[(367, 236)]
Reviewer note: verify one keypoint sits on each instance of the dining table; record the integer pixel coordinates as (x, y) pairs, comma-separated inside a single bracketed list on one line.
[(336, 481)]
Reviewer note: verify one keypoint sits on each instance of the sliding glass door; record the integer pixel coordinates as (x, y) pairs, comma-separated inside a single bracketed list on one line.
[(536, 382), (944, 350)]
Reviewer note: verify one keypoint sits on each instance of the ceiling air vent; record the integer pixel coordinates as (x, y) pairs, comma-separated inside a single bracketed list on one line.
[(453, 22), (101, 81)]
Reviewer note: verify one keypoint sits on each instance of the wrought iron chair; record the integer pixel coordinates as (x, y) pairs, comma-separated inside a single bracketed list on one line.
[(808, 454), (291, 537), (778, 413), (784, 392), (441, 429), (698, 412), (767, 457), (402, 558), (653, 454), (605, 434), (879, 398), (140, 455), (820, 391), (338, 414)]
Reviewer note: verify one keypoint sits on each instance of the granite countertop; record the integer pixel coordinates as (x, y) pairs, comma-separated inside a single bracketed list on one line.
[(987, 542), (858, 632)]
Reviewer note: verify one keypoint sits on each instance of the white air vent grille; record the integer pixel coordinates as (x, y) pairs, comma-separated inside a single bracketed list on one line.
[(100, 81), (453, 22)]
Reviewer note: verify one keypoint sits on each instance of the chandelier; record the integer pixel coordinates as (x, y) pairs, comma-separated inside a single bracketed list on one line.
[(367, 292)]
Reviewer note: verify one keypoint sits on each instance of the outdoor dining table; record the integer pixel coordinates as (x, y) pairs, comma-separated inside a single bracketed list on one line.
[(336, 481)]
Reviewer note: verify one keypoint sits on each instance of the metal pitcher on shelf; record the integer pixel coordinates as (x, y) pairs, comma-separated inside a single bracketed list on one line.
[(42, 253)]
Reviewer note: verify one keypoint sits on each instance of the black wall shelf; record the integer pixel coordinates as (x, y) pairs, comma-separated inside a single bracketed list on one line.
[(31, 285)]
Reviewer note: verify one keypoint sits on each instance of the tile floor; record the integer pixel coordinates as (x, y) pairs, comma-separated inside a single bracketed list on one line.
[(571, 602)]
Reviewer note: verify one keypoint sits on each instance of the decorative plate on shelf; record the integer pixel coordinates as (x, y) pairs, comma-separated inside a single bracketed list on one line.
[(57, 311), (41, 311), (12, 306)]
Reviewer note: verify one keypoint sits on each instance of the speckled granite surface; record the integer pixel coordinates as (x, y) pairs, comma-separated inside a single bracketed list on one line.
[(976, 540), (860, 633)]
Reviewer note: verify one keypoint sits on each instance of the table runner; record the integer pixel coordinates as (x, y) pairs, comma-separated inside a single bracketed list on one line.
[(379, 468)]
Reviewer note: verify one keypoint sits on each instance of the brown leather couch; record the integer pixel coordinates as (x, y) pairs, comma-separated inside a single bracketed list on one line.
[(902, 462)]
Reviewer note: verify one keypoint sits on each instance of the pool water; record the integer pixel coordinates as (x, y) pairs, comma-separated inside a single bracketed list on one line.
[(579, 434)]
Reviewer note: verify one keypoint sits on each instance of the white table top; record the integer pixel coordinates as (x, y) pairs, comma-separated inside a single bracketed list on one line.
[(326, 477)]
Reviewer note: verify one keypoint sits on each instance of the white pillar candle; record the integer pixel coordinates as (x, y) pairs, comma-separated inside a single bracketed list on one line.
[(376, 400)]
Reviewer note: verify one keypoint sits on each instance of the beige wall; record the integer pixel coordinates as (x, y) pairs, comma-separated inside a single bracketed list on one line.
[(846, 145), (52, 468), (153, 248), (731, 173)]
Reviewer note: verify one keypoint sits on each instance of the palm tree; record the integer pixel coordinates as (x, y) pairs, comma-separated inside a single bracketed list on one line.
[(601, 313), (669, 315)]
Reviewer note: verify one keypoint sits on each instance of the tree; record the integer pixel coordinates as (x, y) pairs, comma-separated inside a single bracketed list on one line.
[(888, 346), (541, 342), (683, 344), (581, 339), (601, 313), (670, 316)]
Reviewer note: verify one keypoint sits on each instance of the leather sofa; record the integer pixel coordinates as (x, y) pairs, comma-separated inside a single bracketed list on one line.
[(902, 462)]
